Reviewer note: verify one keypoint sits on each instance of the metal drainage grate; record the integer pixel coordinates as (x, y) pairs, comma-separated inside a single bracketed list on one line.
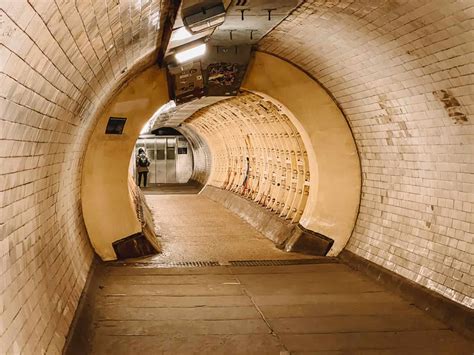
[(325, 260), (142, 264), (192, 264), (322, 260), (151, 264)]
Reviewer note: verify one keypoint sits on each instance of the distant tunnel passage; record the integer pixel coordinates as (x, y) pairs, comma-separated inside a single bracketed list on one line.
[(303, 163), (257, 152)]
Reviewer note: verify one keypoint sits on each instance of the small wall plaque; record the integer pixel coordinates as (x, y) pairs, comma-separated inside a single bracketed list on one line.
[(115, 125)]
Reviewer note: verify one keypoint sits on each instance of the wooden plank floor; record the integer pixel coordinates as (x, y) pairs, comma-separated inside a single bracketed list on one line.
[(300, 309), (324, 308)]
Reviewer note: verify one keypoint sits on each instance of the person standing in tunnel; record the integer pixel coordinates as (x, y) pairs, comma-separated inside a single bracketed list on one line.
[(142, 166)]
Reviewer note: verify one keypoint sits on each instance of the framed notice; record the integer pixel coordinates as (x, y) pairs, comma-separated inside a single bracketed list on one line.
[(115, 125)]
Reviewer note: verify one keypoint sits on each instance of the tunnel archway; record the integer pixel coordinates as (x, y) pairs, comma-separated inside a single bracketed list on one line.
[(401, 71), (335, 176), (105, 185)]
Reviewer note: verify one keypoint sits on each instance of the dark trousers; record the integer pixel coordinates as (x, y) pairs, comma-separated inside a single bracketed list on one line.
[(144, 174)]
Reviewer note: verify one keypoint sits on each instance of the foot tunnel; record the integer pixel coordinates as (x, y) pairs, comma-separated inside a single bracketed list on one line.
[(328, 203), (303, 167)]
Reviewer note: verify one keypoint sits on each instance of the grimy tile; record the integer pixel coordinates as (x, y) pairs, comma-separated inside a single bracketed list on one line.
[(401, 71)]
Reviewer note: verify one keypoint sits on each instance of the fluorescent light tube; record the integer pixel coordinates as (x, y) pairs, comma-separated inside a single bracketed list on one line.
[(190, 53)]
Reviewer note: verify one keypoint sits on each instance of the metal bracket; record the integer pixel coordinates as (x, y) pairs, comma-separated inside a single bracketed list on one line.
[(269, 13), (251, 33), (242, 11)]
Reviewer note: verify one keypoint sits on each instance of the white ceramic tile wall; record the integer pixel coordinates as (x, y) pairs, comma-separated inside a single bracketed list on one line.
[(403, 73), (59, 62)]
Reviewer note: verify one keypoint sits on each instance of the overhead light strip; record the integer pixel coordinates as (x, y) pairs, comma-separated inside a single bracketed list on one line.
[(190, 53)]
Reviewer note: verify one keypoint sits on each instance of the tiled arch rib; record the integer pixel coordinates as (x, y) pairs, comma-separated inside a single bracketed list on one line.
[(402, 73), (202, 160), (59, 63), (256, 152)]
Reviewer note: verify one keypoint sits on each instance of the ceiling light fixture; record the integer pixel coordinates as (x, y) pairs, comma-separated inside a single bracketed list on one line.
[(201, 15), (190, 52)]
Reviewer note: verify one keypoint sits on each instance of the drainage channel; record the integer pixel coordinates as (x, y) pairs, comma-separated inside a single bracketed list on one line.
[(191, 264)]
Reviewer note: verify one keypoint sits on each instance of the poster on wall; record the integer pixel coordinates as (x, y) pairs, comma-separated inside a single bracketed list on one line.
[(186, 82)]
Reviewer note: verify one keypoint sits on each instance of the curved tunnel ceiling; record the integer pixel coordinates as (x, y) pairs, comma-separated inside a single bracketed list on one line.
[(256, 152), (401, 71)]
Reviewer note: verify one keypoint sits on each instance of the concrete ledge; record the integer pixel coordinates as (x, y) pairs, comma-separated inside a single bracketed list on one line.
[(306, 241), (287, 236), (266, 222), (196, 183), (134, 246), (455, 315)]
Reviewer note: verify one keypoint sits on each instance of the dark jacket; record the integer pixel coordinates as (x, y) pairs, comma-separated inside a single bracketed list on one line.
[(141, 168)]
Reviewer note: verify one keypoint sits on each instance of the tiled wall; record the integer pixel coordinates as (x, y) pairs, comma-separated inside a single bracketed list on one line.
[(401, 71), (403, 74), (202, 160), (256, 152), (59, 61)]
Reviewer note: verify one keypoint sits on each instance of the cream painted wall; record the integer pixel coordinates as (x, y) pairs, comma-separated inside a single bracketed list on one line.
[(334, 195), (109, 213), (333, 202)]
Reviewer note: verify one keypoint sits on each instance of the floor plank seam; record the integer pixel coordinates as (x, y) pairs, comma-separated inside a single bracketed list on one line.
[(260, 312)]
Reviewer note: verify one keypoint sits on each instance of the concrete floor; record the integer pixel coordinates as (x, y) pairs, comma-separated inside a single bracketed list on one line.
[(324, 308), (194, 228)]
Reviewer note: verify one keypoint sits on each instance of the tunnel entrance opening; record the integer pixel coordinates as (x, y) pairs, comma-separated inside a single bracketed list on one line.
[(282, 160), (169, 159), (246, 147), (192, 227)]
